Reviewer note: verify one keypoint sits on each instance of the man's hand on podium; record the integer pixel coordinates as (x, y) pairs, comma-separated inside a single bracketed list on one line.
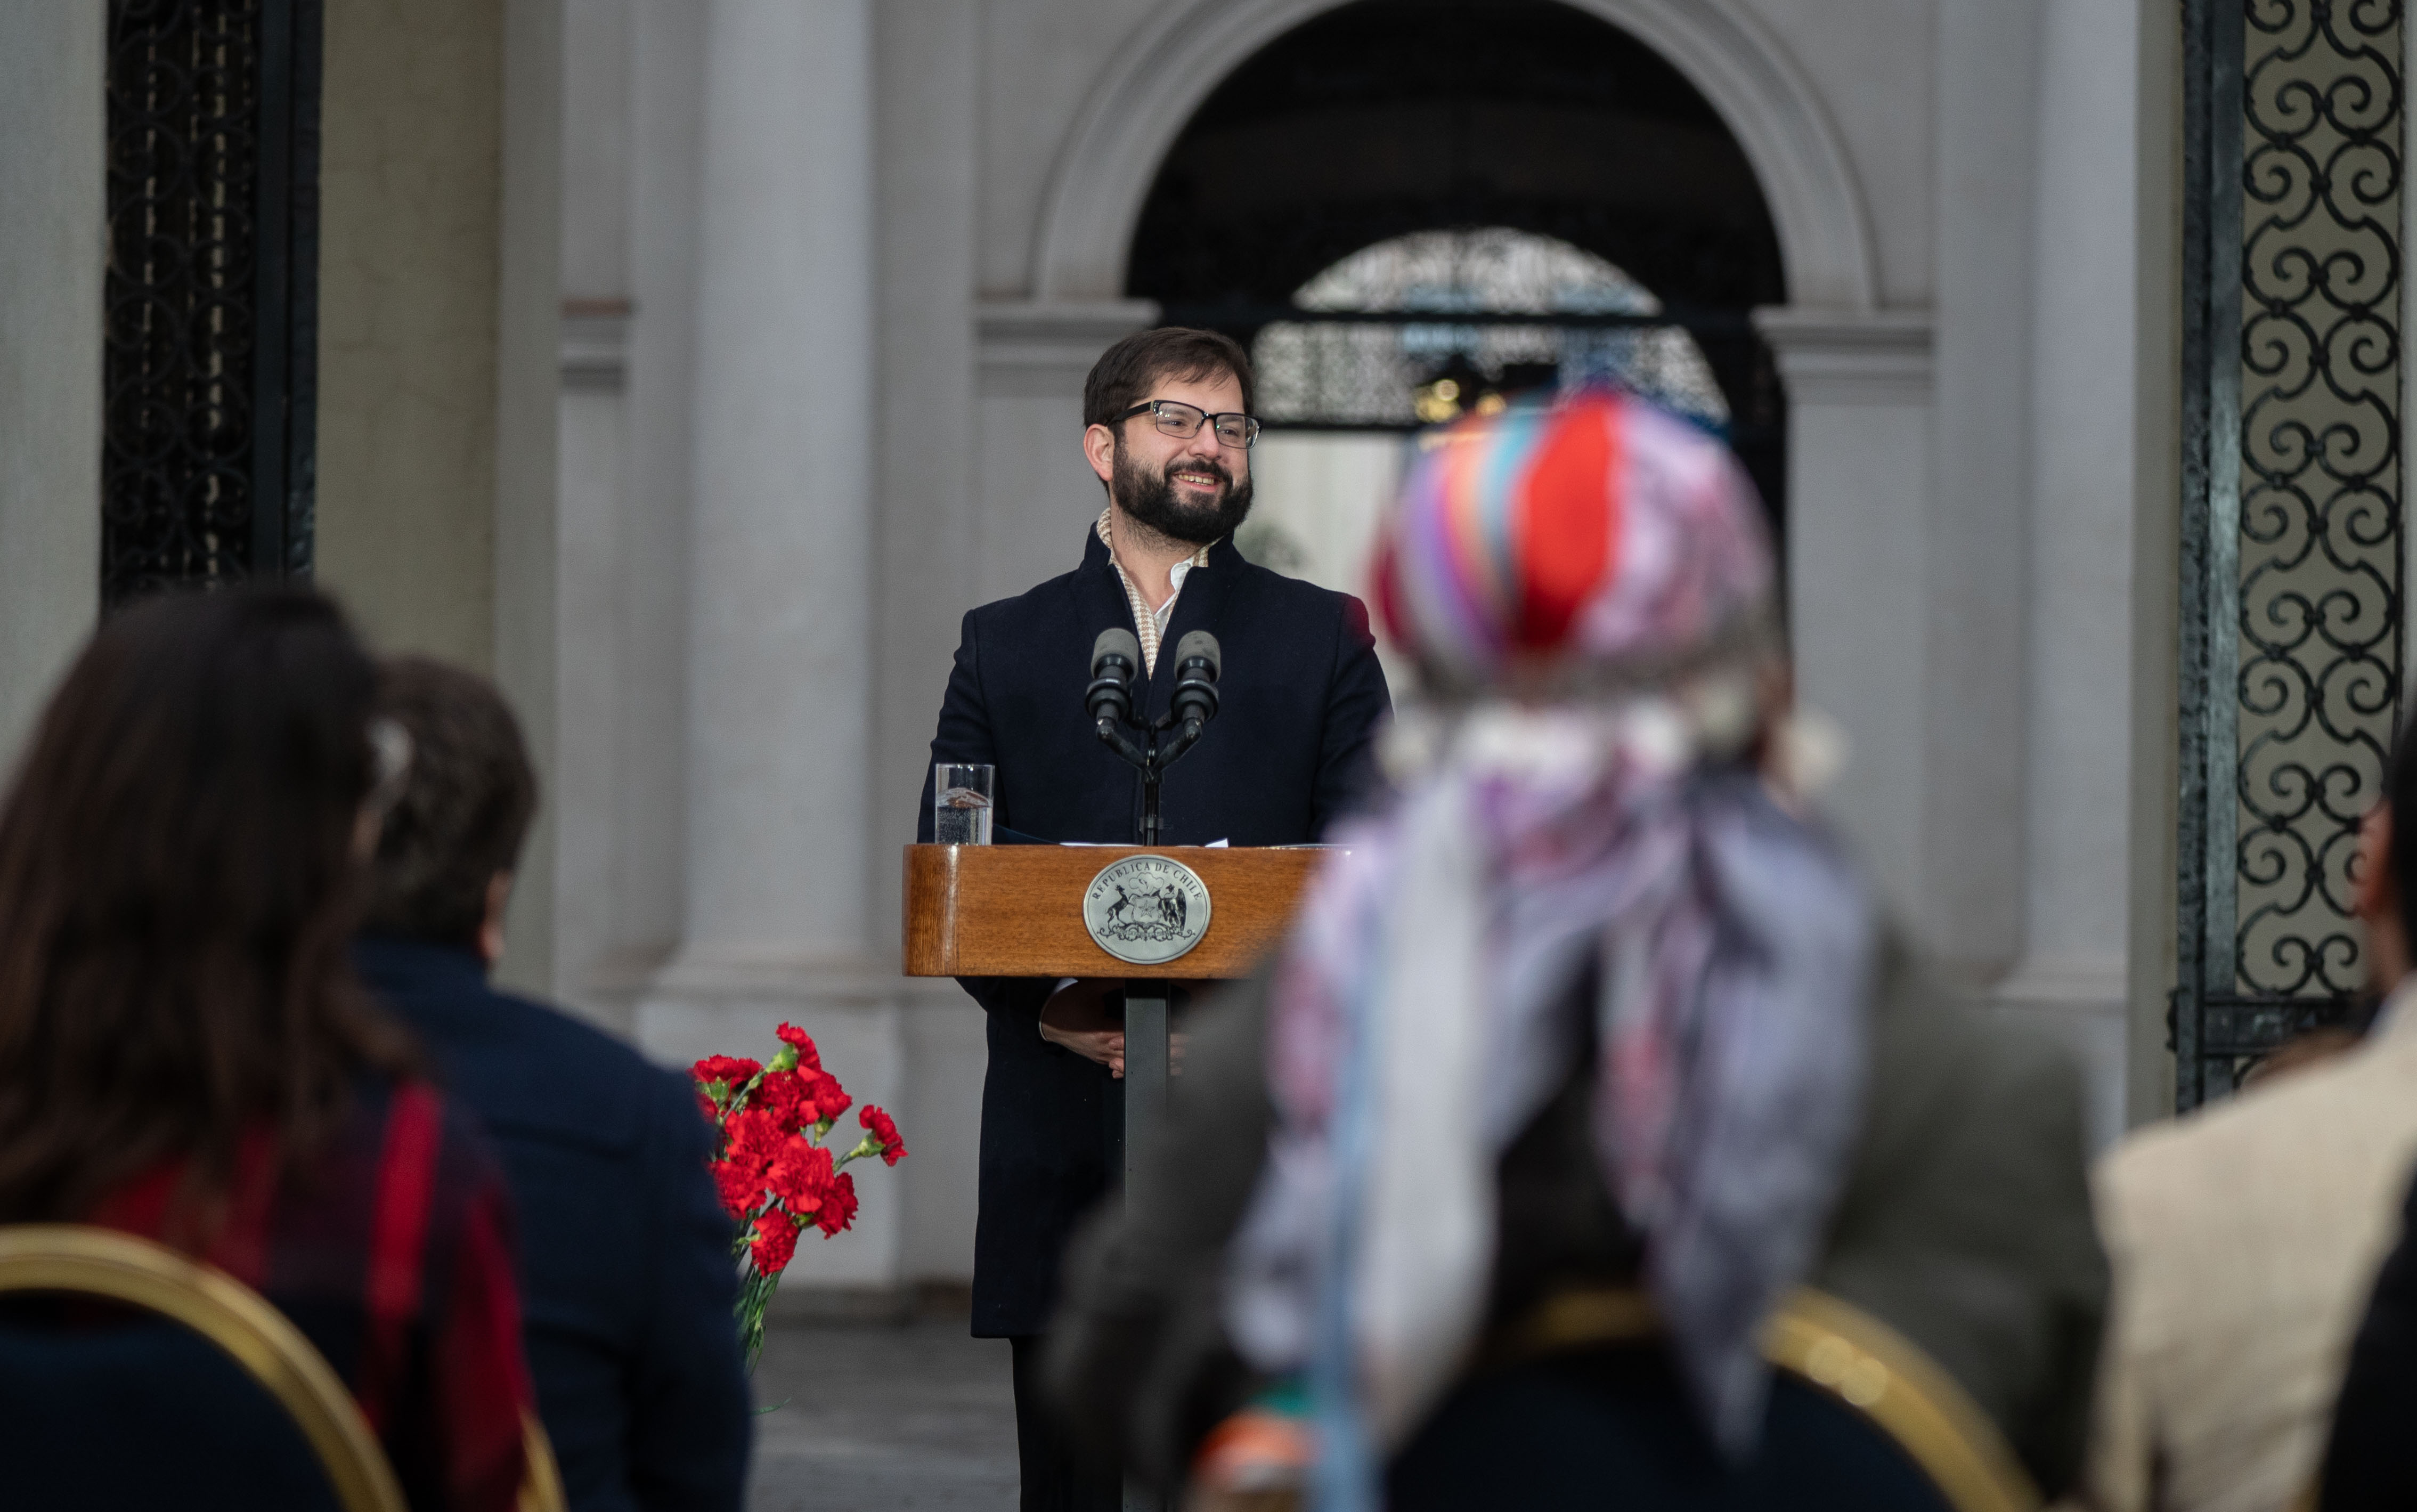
[(1077, 1017)]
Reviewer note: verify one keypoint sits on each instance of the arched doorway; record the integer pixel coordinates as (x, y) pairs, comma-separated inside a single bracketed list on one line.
[(1454, 200)]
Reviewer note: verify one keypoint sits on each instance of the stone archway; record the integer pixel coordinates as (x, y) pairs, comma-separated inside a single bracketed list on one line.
[(1161, 76)]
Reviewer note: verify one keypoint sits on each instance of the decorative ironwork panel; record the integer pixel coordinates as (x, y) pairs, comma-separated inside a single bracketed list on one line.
[(2292, 548), (211, 291)]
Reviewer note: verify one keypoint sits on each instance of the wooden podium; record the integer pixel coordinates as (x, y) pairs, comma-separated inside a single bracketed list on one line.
[(1019, 910), (1030, 911)]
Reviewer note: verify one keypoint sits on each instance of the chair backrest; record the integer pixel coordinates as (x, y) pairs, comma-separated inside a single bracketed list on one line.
[(1850, 1385), (209, 1303), (1886, 1378), (542, 1486)]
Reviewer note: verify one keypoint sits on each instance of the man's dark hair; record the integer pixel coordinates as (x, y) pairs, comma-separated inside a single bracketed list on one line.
[(1125, 373), (465, 805)]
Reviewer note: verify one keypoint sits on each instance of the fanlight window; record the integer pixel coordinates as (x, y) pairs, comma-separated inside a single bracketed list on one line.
[(1533, 312)]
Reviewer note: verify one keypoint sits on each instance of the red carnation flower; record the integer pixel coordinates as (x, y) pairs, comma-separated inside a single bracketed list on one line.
[(884, 1128), (742, 1190), (789, 1097), (807, 1056), (830, 1098), (838, 1209), (801, 1176), (730, 1070), (774, 1244), (752, 1139)]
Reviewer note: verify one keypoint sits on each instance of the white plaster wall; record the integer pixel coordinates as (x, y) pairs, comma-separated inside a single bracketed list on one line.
[(52, 247), (1970, 909), (587, 791), (649, 870), (2155, 468), (1041, 61), (2084, 243), (1034, 492), (527, 514), (1874, 65), (592, 501), (928, 64), (409, 266), (1859, 459)]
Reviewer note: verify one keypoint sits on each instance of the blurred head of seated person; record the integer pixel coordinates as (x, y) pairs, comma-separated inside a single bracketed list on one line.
[(2246, 1238), (184, 1051), (626, 1276), (1596, 1008)]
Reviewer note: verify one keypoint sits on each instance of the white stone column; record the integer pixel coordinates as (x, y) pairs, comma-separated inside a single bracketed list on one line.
[(1981, 501), (51, 257), (1858, 411), (775, 909), (2085, 439)]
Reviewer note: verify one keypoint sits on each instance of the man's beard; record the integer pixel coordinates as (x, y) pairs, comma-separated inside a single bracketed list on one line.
[(1150, 500)]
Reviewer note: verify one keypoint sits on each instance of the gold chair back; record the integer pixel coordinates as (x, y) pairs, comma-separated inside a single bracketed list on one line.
[(542, 1486), (1885, 1377), (101, 1262), (1844, 1352)]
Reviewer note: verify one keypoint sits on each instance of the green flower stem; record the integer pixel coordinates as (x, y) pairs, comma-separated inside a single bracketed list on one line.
[(754, 1292)]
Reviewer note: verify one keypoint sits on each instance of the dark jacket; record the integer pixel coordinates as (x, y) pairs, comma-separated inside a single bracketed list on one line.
[(1300, 699), (2372, 1460), (1965, 1224), (627, 1280), (392, 1254)]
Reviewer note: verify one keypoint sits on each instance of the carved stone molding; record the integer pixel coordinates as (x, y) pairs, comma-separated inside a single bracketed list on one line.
[(1169, 67)]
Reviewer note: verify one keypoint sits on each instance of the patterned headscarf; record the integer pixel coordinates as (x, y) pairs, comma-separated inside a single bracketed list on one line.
[(1589, 589)]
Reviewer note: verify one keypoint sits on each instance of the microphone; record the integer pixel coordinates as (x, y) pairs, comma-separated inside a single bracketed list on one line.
[(1115, 663), (1198, 661)]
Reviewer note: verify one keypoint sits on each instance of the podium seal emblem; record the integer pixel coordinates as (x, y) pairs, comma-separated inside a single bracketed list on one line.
[(1146, 910)]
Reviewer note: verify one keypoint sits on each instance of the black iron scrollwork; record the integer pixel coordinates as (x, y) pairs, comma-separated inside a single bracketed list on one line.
[(2292, 526), (210, 294)]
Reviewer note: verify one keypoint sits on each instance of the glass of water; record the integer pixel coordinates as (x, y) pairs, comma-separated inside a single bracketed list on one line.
[(960, 800)]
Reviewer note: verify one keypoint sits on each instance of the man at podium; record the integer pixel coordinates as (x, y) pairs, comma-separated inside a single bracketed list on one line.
[(1168, 430)]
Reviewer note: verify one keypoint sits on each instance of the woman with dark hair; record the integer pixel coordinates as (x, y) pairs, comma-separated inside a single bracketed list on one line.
[(183, 1053)]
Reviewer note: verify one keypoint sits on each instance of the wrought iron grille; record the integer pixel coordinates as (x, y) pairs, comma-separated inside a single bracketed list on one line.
[(211, 291), (1364, 384), (2292, 634)]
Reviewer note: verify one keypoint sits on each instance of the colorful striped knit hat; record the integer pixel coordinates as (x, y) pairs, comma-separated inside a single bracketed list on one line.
[(1601, 533)]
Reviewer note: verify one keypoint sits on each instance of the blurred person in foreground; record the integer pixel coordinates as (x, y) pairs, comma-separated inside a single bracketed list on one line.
[(626, 1276), (2371, 1458), (2246, 1239), (1594, 1006), (184, 1054)]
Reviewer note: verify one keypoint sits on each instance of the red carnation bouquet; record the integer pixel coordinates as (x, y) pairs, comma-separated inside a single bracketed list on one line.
[(775, 1172)]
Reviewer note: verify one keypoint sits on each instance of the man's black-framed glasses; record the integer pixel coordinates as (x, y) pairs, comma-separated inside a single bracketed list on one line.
[(1177, 419)]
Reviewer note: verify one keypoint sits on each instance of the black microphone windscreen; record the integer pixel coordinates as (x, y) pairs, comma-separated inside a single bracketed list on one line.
[(1117, 642), (1201, 644)]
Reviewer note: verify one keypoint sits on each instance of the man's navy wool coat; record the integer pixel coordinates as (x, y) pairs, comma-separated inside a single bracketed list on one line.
[(1299, 699)]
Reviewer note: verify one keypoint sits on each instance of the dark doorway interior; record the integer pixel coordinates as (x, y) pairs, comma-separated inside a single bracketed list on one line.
[(1388, 116)]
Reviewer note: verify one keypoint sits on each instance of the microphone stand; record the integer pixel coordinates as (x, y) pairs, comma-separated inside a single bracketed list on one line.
[(1152, 763), (1148, 1001)]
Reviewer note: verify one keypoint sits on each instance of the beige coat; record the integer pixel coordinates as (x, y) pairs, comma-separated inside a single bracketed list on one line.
[(2244, 1241)]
